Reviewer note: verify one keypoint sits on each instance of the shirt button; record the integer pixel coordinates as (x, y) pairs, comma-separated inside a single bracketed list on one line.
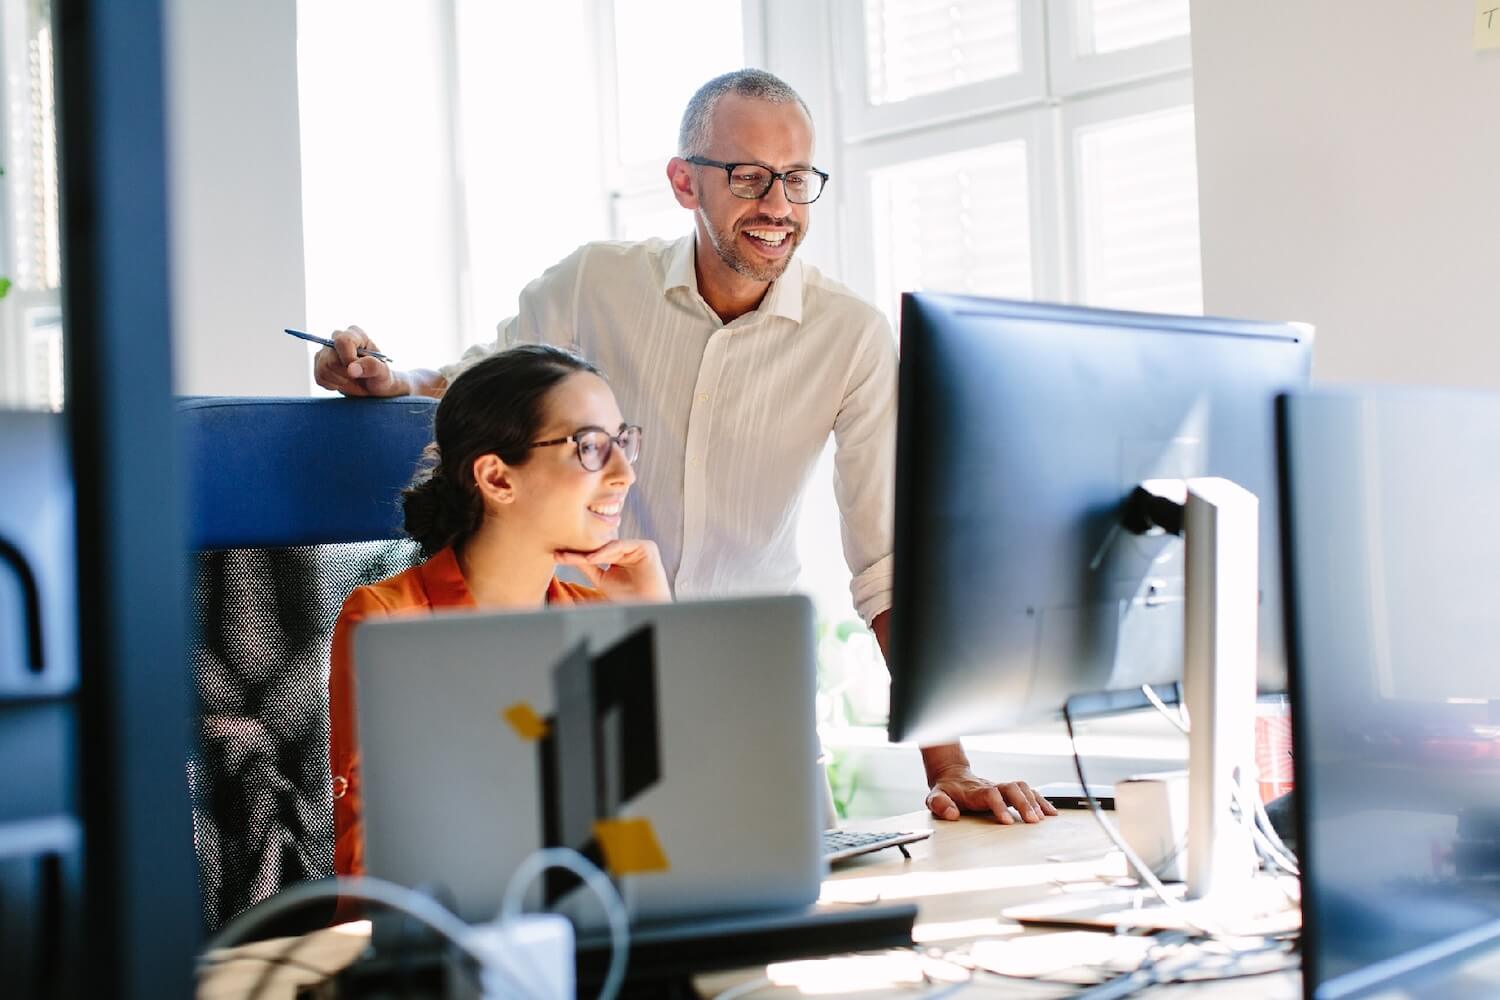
[(695, 461), (702, 397)]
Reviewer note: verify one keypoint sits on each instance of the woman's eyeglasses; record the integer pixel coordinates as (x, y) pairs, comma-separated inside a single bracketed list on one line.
[(595, 443)]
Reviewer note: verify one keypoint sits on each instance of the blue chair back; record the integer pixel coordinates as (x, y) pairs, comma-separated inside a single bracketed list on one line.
[(292, 504)]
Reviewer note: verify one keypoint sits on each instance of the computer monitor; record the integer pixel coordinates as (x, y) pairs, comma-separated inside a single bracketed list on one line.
[(1393, 622), (41, 830), (1022, 428)]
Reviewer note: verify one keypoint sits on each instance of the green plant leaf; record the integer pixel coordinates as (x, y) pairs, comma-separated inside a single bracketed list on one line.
[(852, 626), (4, 282)]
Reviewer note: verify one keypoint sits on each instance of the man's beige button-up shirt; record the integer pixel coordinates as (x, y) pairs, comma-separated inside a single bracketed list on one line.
[(736, 415)]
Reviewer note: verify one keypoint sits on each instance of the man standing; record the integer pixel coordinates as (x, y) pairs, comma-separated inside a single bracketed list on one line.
[(739, 361)]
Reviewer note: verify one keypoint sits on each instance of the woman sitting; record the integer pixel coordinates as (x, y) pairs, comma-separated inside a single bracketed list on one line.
[(530, 468)]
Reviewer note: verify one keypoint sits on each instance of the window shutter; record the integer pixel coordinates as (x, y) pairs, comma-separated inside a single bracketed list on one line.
[(916, 47)]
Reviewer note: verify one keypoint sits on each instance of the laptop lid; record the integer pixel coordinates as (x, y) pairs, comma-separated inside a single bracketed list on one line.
[(675, 744)]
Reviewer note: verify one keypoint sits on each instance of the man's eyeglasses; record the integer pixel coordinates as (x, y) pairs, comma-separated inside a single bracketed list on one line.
[(752, 180), (595, 443)]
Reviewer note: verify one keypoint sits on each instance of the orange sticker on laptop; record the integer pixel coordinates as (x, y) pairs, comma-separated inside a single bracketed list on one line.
[(630, 846), (524, 720)]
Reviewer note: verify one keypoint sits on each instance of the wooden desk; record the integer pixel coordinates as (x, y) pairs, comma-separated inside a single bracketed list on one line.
[(961, 878)]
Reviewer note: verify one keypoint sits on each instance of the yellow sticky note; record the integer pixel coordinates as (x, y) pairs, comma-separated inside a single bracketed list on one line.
[(524, 720), (1487, 24), (630, 846)]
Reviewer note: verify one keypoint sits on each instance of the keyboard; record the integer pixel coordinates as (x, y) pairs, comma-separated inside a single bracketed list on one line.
[(841, 844)]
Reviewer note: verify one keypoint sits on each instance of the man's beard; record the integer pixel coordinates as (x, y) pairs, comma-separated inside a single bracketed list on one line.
[(727, 245)]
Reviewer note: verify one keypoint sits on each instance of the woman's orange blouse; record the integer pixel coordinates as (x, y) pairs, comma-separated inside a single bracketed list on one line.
[(436, 583)]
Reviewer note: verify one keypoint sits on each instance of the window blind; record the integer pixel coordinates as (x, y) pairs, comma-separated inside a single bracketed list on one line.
[(1115, 25), (954, 223), (1138, 199), (916, 47)]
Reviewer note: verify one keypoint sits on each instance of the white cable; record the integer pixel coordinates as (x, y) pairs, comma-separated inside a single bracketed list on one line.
[(1142, 870), (369, 890), (1161, 706), (1270, 829), (609, 897), (1261, 830), (1273, 849), (1145, 874)]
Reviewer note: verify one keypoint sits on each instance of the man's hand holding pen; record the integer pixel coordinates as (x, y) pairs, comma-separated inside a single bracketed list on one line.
[(344, 369)]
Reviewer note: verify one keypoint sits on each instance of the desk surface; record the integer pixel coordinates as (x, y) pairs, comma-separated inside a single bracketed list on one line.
[(961, 879)]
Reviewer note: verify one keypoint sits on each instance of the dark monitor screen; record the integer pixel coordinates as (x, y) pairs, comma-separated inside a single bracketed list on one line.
[(1021, 430), (38, 640), (1393, 608)]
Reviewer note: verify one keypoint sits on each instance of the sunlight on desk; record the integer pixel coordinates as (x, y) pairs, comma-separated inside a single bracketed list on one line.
[(1053, 954), (852, 973), (911, 885), (958, 930)]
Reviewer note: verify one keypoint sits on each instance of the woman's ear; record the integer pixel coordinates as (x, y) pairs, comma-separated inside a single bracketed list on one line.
[(492, 477)]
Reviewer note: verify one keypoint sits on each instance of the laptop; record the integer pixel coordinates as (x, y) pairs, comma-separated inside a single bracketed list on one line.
[(674, 744)]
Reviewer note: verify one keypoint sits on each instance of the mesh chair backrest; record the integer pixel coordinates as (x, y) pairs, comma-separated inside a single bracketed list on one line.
[(262, 804)]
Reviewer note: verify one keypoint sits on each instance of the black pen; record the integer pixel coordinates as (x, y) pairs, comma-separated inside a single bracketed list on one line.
[(363, 352)]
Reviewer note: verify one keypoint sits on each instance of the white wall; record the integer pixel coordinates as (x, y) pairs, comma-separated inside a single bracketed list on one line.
[(235, 186), (533, 152), (1349, 175), (381, 195)]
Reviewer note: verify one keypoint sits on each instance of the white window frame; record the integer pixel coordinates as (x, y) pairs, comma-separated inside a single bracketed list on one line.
[(1035, 127), (1084, 90), (647, 177), (1078, 115), (1058, 93), (862, 120), (1073, 74)]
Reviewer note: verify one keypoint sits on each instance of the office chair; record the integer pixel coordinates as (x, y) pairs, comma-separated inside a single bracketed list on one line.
[(292, 503)]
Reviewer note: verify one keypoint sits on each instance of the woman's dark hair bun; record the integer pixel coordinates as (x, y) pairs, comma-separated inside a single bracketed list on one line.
[(495, 406)]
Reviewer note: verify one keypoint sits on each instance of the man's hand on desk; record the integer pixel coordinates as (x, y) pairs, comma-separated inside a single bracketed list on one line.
[(953, 789), (956, 789)]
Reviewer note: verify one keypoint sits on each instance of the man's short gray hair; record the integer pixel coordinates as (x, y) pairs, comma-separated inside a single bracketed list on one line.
[(692, 137)]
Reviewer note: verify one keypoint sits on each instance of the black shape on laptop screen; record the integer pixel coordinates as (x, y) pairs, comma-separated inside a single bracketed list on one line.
[(601, 749), (1393, 572)]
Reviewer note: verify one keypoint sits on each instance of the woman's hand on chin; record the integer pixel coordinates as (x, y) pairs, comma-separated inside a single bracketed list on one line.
[(624, 570)]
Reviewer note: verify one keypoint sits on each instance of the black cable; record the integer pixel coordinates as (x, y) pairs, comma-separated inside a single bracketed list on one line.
[(1143, 874), (278, 961), (1088, 793), (1194, 981), (293, 963)]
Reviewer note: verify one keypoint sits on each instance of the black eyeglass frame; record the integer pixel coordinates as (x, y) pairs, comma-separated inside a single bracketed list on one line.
[(615, 441), (729, 169)]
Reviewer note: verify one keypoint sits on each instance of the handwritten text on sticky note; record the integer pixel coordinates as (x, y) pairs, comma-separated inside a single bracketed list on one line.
[(1487, 24)]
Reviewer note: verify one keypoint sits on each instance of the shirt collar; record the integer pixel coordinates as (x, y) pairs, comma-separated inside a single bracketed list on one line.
[(783, 298), (680, 273), (445, 586), (444, 581)]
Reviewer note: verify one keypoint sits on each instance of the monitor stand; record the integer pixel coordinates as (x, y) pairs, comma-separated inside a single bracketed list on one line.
[(1221, 525), (1222, 528)]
